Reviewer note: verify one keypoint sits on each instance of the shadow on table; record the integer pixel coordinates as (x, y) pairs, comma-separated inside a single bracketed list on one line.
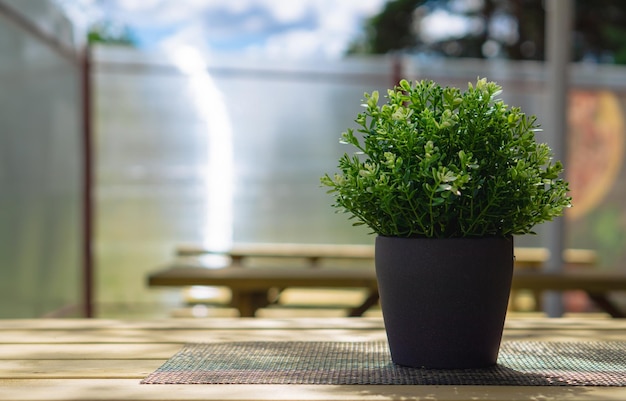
[(499, 382), (433, 393)]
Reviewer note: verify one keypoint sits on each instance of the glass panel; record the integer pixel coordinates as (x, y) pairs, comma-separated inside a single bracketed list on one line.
[(40, 210)]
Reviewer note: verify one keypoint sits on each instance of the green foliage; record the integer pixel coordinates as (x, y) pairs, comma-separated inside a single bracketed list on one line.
[(391, 29), (599, 29), (110, 33), (438, 162)]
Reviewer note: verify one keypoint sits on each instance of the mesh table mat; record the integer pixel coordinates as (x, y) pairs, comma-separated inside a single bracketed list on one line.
[(520, 363)]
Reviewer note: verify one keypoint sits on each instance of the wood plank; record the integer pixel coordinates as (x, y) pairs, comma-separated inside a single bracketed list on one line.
[(155, 344), (87, 351), (592, 281), (127, 389), (264, 278), (32, 347), (522, 321), (48, 325), (175, 330), (285, 250), (78, 368), (261, 279), (154, 338)]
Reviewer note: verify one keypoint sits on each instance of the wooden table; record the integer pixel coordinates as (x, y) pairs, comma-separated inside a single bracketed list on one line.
[(83, 359), (525, 257)]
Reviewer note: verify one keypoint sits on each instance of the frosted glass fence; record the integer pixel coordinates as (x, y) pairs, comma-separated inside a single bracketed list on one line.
[(40, 162), (233, 152)]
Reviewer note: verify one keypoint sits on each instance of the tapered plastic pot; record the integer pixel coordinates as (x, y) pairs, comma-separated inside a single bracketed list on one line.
[(444, 301)]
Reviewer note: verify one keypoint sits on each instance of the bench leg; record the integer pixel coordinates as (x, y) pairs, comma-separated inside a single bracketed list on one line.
[(248, 302), (370, 301), (604, 303)]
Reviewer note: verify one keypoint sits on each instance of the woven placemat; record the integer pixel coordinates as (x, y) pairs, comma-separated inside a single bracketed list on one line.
[(520, 363)]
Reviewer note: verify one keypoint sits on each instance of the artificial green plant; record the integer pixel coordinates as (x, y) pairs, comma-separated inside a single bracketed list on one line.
[(437, 162)]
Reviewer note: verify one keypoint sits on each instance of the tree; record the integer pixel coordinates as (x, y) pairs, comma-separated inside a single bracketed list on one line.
[(513, 29), (107, 32), (390, 30), (600, 28)]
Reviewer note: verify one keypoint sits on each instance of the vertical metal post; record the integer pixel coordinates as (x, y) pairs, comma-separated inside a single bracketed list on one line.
[(559, 15), (87, 184)]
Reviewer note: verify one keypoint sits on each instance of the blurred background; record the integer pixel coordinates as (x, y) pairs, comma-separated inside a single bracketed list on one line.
[(131, 127)]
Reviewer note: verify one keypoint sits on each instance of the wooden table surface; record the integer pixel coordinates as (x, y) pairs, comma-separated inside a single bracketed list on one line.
[(82, 359)]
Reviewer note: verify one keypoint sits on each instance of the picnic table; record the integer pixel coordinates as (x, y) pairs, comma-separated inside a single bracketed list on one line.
[(95, 359), (250, 287), (525, 257)]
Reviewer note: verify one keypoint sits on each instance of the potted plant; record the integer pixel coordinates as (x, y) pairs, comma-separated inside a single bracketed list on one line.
[(446, 178)]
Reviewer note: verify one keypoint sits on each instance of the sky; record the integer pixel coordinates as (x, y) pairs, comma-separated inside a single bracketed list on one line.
[(263, 28), (274, 29)]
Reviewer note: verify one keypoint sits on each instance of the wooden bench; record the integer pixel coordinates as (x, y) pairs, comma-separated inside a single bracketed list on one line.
[(596, 284), (250, 287)]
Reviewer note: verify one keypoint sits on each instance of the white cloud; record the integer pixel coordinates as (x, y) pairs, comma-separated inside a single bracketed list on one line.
[(338, 23), (296, 44), (286, 11), (301, 44), (284, 28), (190, 35)]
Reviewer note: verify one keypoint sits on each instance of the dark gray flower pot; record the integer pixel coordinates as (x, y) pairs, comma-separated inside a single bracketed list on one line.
[(444, 301)]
